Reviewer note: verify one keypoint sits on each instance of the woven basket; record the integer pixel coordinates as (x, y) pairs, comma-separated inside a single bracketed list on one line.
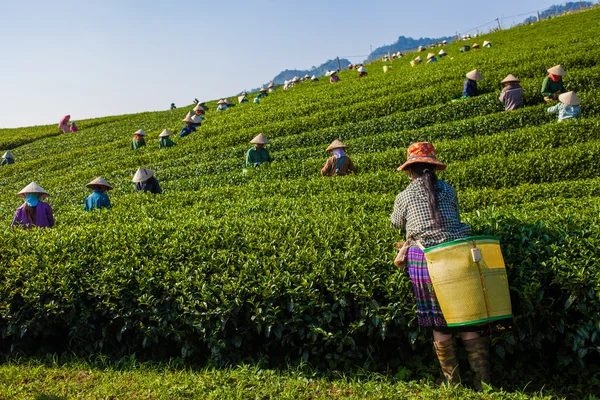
[(469, 292)]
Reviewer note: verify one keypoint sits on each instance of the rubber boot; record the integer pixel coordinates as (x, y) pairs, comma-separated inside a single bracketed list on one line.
[(446, 353), (478, 353)]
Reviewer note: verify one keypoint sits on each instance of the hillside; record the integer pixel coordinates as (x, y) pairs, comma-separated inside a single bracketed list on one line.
[(328, 65), (406, 44), (284, 265)]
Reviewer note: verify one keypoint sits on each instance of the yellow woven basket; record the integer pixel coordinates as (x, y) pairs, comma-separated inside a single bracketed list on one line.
[(470, 292)]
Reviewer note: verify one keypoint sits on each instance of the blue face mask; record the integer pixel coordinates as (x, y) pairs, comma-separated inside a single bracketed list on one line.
[(32, 199)]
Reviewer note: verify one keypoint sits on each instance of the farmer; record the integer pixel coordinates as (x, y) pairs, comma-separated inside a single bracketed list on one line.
[(63, 125), (418, 60), (98, 198), (568, 108), (262, 93), (74, 127), (221, 105), (442, 53), (428, 211), (512, 93), (258, 154), (470, 85), (189, 125), (200, 107), (431, 58), (475, 47), (173, 106), (553, 86), (33, 212), (362, 71), (164, 141), (242, 98), (145, 181), (314, 78), (465, 48), (138, 139), (271, 87), (339, 164), (333, 77), (8, 158)]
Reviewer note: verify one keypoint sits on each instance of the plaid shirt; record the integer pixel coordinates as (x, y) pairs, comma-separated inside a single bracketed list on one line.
[(411, 213)]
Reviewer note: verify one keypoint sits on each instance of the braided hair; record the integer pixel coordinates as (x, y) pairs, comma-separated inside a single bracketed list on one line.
[(427, 174)]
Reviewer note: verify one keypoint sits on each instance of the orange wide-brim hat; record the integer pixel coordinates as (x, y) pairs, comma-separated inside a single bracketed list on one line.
[(422, 152)]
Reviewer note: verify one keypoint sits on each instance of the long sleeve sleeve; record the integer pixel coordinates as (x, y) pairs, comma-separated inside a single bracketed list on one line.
[(351, 166), (250, 162), (398, 217), (327, 169), (554, 109), (466, 89), (50, 216)]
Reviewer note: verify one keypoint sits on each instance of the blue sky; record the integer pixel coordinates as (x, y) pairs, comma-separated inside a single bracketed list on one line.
[(110, 57)]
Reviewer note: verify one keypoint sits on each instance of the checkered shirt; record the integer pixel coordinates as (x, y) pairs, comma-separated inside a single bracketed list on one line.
[(411, 213)]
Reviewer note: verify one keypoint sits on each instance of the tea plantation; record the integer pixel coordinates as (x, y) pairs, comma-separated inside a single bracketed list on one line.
[(282, 265)]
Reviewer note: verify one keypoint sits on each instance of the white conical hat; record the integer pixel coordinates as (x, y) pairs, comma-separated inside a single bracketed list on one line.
[(362, 69), (314, 77), (198, 107), (442, 52), (165, 133), (196, 119), (569, 98), (510, 78), (99, 182), (140, 132), (557, 70), (271, 85), (430, 56), (336, 144), (419, 59), (220, 102), (241, 97), (142, 174), (262, 89), (188, 117), (8, 154), (445, 41), (475, 46), (260, 139), (485, 43), (32, 188), (306, 76), (475, 75)]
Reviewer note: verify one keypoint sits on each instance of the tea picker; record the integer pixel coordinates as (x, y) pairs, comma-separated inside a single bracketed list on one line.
[(339, 164)]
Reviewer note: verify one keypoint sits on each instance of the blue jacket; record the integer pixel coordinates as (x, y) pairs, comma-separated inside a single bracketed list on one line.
[(470, 88), (185, 131), (97, 200)]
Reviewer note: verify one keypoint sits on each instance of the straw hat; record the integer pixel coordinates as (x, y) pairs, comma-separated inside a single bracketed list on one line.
[(99, 182), (336, 144), (421, 48), (8, 154), (569, 98), (314, 77), (421, 152), (165, 133), (142, 174), (362, 69), (557, 70), (296, 79), (445, 42), (510, 78), (271, 85), (419, 59), (188, 118), (485, 43), (31, 189), (221, 102), (140, 132), (306, 76), (260, 139), (475, 46), (430, 56), (442, 52), (262, 89), (475, 75), (196, 119), (333, 72), (198, 107)]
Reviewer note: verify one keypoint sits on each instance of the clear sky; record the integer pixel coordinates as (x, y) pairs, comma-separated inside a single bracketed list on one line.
[(109, 57)]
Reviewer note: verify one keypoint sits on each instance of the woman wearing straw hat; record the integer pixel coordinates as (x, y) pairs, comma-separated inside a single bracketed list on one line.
[(145, 181), (242, 98), (271, 87), (418, 60), (262, 93), (362, 71), (138, 139), (98, 198), (199, 109), (314, 78), (258, 154), (164, 141), (431, 58), (553, 86), (333, 78), (475, 47), (512, 93), (190, 125), (470, 85), (486, 44), (442, 53), (8, 158), (221, 105), (429, 213), (339, 164), (33, 212), (63, 125), (568, 108)]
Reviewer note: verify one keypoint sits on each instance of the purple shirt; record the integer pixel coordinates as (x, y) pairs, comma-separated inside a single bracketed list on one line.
[(43, 216)]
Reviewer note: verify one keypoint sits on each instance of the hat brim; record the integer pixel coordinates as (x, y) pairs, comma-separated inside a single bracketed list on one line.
[(440, 166), (23, 194), (97, 185)]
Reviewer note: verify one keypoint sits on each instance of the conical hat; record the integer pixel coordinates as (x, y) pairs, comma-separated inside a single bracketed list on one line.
[(196, 119), (569, 98), (32, 188), (314, 77), (8, 154), (430, 56), (140, 132), (557, 70), (188, 118), (142, 174), (220, 102), (262, 89), (241, 97), (485, 43), (445, 41), (362, 69), (244, 93), (99, 182), (165, 133), (306, 76), (475, 46), (336, 144), (510, 78), (260, 139), (271, 85), (419, 59), (475, 75), (442, 52), (198, 107)]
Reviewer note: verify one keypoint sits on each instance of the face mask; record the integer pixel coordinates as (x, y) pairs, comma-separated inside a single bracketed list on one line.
[(338, 153), (32, 199)]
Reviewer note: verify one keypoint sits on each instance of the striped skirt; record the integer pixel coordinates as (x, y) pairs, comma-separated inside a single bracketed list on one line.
[(428, 309)]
